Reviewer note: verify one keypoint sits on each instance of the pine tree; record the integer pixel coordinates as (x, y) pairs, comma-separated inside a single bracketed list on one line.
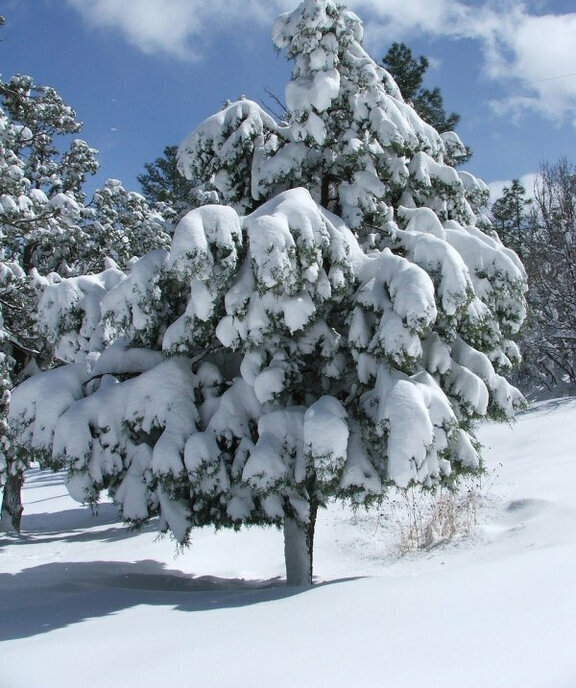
[(220, 151), (41, 207), (163, 185), (408, 72), (510, 215), (47, 230), (121, 225), (335, 326), (39, 222)]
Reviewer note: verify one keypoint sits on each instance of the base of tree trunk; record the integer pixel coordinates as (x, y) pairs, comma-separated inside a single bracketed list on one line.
[(11, 515)]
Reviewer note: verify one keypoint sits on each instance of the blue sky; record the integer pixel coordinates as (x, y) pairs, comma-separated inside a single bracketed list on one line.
[(141, 74)]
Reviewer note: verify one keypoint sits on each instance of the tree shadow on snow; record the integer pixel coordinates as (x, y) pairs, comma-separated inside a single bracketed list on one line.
[(40, 477), (70, 520), (549, 405), (51, 596), (75, 525)]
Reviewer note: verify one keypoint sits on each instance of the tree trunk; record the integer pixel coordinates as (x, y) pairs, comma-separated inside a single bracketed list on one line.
[(299, 548), (325, 191), (12, 508)]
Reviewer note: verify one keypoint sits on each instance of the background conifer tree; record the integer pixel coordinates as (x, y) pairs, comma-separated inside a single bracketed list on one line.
[(163, 184), (408, 72), (47, 232), (511, 215)]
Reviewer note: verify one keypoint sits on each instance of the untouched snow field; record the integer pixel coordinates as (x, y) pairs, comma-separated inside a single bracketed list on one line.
[(83, 602)]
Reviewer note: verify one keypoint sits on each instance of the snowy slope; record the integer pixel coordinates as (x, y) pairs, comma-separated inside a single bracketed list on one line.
[(84, 603)]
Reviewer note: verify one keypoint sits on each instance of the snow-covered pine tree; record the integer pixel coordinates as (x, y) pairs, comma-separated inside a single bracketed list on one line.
[(342, 337), (120, 225), (220, 153), (39, 210), (47, 228)]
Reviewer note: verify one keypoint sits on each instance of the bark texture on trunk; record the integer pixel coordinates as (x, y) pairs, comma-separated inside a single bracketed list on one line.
[(12, 508), (299, 549), (296, 554), (11, 504)]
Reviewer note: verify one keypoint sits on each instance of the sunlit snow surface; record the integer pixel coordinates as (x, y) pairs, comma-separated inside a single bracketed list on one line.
[(85, 603)]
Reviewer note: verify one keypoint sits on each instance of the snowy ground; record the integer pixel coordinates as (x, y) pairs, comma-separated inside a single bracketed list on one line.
[(85, 603)]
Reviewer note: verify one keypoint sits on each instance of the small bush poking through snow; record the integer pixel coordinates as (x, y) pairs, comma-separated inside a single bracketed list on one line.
[(421, 519), (424, 519)]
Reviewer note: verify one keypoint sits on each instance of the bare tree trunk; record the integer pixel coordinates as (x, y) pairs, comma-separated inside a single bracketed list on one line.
[(299, 548), (12, 508)]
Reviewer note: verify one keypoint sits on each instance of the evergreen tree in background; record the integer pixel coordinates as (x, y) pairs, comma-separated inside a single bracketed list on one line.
[(47, 232), (122, 225), (511, 214), (408, 72), (39, 206), (41, 187), (162, 182), (336, 325)]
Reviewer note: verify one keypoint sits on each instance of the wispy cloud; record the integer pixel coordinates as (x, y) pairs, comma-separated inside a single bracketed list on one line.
[(441, 17), (538, 53), (179, 28), (532, 54)]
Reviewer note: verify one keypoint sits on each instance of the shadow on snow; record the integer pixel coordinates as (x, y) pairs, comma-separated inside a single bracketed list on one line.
[(52, 596), (40, 477), (73, 525), (546, 406)]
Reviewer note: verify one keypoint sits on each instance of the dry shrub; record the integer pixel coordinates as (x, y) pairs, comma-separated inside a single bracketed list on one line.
[(424, 519)]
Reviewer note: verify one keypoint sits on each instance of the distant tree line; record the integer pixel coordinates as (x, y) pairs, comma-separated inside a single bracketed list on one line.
[(542, 230)]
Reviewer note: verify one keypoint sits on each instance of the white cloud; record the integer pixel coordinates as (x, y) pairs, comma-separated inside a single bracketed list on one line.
[(534, 55), (440, 17), (539, 54), (174, 27)]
